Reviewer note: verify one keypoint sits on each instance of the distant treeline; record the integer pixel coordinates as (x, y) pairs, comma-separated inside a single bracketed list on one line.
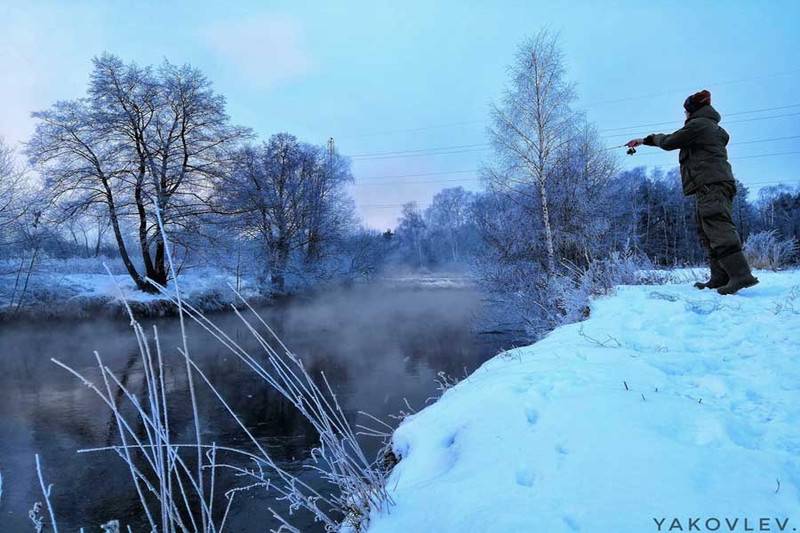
[(644, 212)]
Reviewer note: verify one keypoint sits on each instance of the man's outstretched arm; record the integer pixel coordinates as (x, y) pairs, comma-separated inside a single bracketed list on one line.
[(682, 138)]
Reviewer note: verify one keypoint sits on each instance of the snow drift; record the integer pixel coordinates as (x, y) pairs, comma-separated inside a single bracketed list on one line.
[(668, 404)]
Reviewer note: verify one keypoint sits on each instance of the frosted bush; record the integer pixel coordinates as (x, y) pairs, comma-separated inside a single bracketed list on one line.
[(766, 251), (574, 290), (524, 295)]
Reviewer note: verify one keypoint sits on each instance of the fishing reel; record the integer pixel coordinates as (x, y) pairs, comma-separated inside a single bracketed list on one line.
[(631, 150)]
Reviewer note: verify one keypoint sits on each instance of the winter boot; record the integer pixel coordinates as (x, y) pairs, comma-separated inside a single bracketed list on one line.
[(739, 272), (719, 278)]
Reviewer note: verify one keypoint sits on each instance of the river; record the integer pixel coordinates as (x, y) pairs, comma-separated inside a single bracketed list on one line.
[(379, 346)]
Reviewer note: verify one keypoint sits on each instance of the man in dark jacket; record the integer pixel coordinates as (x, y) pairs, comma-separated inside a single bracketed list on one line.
[(706, 173)]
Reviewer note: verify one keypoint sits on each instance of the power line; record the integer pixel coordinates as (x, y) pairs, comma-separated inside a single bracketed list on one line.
[(486, 146), (736, 158), (590, 104), (422, 174), (762, 118), (412, 130), (419, 150), (479, 147), (685, 91), (771, 183), (389, 206), (465, 151), (757, 141), (726, 123), (765, 155), (465, 171), (476, 182), (379, 180), (393, 183), (726, 114), (766, 140)]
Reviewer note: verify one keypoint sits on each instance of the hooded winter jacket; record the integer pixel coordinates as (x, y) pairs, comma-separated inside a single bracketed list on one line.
[(703, 153)]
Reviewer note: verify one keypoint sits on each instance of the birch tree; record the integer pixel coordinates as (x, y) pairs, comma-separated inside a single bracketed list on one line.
[(411, 232), (449, 215), (533, 121)]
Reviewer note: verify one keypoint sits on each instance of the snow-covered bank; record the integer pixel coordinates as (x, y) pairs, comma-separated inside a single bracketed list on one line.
[(441, 281), (73, 295), (668, 403), (76, 288)]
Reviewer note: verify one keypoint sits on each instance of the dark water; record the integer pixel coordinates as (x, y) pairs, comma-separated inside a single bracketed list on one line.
[(376, 345)]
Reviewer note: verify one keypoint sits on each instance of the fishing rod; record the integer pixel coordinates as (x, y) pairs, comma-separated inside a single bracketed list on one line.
[(631, 149)]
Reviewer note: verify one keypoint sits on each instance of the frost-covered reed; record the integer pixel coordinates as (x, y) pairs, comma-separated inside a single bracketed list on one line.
[(178, 484)]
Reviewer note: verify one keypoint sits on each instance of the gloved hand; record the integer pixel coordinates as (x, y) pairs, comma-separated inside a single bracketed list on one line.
[(633, 143)]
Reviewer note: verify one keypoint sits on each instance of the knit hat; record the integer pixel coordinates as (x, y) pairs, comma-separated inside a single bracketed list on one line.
[(697, 100)]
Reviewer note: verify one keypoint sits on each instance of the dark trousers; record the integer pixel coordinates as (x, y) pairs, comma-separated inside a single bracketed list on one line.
[(715, 225)]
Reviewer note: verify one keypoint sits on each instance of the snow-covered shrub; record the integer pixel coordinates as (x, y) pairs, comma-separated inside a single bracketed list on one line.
[(574, 290), (653, 276), (767, 251), (523, 295)]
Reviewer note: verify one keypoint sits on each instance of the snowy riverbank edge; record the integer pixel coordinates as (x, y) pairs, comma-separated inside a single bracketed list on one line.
[(666, 403), (78, 295)]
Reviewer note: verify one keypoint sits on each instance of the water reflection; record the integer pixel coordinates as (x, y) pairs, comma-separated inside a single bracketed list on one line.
[(376, 346)]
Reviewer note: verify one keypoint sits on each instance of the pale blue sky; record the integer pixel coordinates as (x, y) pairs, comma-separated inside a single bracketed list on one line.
[(368, 72)]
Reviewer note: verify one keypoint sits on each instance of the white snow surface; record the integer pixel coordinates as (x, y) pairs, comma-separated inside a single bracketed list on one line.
[(66, 287), (547, 439), (103, 285)]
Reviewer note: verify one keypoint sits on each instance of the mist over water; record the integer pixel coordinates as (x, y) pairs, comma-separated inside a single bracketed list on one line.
[(379, 347)]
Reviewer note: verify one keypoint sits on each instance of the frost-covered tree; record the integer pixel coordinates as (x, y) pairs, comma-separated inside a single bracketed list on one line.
[(550, 213), (552, 180), (12, 191), (449, 222), (143, 139), (744, 212), (411, 234), (778, 209), (581, 194), (290, 197), (532, 123)]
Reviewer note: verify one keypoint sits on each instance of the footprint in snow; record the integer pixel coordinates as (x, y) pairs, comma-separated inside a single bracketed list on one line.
[(571, 522), (532, 415), (521, 388), (525, 477), (701, 307), (663, 296), (450, 440)]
